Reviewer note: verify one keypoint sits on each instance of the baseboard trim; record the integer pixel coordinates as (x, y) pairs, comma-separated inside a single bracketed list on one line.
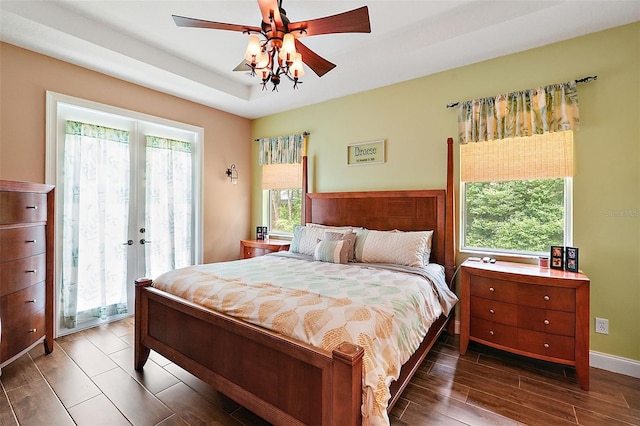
[(616, 364)]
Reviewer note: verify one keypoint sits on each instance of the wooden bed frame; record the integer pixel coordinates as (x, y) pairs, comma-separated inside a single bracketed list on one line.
[(280, 379)]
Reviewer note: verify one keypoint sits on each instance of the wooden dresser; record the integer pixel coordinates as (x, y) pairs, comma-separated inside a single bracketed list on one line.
[(254, 248), (26, 268), (537, 312)]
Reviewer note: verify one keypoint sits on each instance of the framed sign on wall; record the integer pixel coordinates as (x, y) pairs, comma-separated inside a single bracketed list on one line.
[(365, 153)]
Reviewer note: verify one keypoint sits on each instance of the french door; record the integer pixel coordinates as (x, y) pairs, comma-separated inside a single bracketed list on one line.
[(127, 207)]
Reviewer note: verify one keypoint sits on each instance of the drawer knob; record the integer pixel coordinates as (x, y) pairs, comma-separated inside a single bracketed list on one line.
[(30, 271), (491, 311), (31, 241), (32, 301), (492, 289), (33, 207), (546, 345), (33, 330), (546, 297), (546, 322), (491, 332)]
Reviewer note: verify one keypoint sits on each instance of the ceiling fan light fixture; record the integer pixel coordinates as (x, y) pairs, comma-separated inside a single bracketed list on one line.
[(280, 52), (254, 49), (296, 69), (288, 49)]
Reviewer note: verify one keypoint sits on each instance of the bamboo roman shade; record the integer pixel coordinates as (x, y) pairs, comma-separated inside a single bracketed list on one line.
[(545, 156), (281, 176)]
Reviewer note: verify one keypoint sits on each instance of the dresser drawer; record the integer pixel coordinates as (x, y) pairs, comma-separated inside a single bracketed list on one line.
[(19, 306), (19, 335), (18, 274), (249, 252), (20, 207), (503, 291), (491, 310), (549, 345), (540, 296), (495, 333), (17, 243), (547, 321)]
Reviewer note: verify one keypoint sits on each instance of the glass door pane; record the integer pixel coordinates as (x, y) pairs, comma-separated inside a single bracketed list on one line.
[(95, 224), (168, 207)]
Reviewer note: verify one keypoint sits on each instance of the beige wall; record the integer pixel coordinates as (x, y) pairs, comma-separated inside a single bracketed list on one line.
[(413, 120), (25, 77)]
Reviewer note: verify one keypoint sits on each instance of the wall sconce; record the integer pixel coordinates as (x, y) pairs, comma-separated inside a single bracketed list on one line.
[(232, 174)]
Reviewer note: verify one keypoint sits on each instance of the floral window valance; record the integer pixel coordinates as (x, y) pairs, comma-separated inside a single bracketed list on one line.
[(281, 149), (541, 110)]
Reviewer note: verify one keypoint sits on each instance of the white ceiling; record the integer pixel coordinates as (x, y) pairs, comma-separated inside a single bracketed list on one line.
[(137, 41)]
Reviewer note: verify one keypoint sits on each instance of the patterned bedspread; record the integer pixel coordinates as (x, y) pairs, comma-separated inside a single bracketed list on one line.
[(387, 312)]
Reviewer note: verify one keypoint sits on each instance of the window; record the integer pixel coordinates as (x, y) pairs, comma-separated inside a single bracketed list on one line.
[(516, 193), (284, 210), (281, 161), (283, 185)]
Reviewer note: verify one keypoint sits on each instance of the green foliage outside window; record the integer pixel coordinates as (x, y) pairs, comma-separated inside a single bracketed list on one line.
[(524, 216), (285, 209)]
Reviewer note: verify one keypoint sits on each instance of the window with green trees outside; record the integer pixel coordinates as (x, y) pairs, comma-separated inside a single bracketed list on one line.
[(521, 216), (285, 209), (516, 194)]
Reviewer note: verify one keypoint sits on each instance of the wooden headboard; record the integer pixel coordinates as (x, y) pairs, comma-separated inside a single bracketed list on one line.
[(406, 210), (383, 210)]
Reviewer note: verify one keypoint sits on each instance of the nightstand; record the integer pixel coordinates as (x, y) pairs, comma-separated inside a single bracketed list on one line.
[(254, 248), (524, 309)]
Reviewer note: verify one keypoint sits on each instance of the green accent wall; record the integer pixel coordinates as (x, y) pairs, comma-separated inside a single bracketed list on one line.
[(413, 120)]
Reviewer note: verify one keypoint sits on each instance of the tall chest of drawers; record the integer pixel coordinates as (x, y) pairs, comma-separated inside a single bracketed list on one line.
[(26, 268), (528, 310)]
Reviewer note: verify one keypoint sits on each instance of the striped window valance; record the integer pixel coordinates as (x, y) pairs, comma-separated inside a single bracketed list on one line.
[(76, 128), (281, 149), (548, 109), (168, 144)]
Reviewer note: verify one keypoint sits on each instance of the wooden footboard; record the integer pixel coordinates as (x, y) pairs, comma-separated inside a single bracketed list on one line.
[(277, 378), (281, 380)]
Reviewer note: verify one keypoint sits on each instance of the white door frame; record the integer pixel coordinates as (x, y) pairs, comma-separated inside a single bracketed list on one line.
[(55, 137)]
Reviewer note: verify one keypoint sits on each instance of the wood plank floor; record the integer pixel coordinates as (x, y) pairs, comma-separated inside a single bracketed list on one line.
[(89, 380)]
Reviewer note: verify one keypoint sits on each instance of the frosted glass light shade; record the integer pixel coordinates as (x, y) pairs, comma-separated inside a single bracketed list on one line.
[(253, 49), (296, 69), (288, 48)]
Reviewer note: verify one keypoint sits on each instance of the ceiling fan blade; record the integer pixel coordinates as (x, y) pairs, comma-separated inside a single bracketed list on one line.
[(318, 64), (353, 21), (183, 21), (242, 66), (268, 7)]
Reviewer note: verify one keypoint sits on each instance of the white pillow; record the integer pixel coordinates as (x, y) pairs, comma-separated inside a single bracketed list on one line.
[(305, 238), (400, 248)]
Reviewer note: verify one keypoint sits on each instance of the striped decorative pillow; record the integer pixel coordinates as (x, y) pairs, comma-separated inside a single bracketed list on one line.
[(336, 251)]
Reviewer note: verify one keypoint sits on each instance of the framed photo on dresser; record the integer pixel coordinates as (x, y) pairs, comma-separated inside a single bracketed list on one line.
[(571, 259), (557, 257)]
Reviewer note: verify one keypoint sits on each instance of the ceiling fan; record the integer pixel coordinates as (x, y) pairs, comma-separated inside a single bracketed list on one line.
[(280, 52)]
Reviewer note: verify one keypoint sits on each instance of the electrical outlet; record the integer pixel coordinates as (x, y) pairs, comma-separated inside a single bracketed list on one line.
[(602, 326)]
